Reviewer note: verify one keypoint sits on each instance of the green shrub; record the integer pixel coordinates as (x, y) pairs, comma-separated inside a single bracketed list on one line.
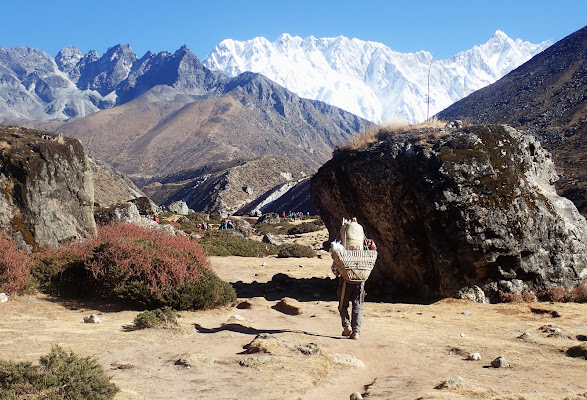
[(276, 229), (59, 376), (135, 265), (165, 317), (219, 243), (15, 266), (304, 227), (215, 218), (295, 250)]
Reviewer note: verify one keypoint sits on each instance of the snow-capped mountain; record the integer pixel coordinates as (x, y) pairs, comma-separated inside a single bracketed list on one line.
[(35, 87), (368, 78)]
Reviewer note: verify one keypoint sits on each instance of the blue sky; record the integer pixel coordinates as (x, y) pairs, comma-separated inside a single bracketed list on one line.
[(443, 28)]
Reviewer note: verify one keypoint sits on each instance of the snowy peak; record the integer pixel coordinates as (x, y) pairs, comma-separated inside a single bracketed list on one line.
[(368, 78)]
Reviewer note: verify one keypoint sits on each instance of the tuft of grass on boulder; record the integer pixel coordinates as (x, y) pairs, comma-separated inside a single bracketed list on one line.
[(58, 376)]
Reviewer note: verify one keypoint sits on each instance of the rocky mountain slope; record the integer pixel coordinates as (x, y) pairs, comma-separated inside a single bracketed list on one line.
[(172, 145), (452, 212), (365, 78), (368, 78), (547, 96), (34, 86)]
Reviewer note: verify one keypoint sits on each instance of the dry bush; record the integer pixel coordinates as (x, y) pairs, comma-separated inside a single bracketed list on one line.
[(580, 292), (15, 266), (527, 296), (377, 133), (136, 265)]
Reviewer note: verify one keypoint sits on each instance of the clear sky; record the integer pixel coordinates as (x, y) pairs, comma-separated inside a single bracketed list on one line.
[(443, 28)]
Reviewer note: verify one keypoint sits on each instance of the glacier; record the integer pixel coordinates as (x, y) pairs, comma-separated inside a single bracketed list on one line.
[(368, 78)]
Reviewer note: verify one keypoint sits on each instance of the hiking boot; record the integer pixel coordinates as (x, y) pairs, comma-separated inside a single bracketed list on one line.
[(355, 335), (346, 331)]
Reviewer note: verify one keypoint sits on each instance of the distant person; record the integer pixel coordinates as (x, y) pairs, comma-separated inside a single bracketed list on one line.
[(350, 293)]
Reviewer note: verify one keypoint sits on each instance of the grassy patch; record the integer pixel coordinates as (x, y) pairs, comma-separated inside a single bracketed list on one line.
[(304, 227), (223, 243), (295, 250), (165, 317), (59, 376)]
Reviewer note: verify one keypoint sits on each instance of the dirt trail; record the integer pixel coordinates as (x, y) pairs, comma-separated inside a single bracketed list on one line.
[(406, 350)]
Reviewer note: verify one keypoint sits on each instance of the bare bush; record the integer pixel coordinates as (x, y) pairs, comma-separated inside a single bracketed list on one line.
[(15, 266)]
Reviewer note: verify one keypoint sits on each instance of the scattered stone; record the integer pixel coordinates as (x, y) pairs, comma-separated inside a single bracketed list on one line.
[(244, 305), (238, 317), (462, 335), (473, 293), (500, 362), (92, 319), (117, 213), (3, 297), (356, 396), (466, 313), (558, 335), (347, 360), (474, 357), (274, 239), (452, 383), (525, 336), (579, 351), (264, 264), (183, 362), (191, 360), (550, 329), (288, 306), (121, 366), (270, 218), (301, 266), (179, 207), (582, 338)]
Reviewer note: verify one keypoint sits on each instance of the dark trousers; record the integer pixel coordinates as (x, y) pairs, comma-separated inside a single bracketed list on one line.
[(354, 293)]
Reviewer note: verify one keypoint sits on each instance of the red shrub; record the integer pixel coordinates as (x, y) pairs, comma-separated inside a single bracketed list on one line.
[(161, 261), (15, 266)]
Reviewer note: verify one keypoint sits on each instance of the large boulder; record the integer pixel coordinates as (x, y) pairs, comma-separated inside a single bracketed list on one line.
[(451, 210), (179, 207), (46, 188)]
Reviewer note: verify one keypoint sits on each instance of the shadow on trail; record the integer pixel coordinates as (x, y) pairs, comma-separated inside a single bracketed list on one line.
[(247, 330), (282, 285)]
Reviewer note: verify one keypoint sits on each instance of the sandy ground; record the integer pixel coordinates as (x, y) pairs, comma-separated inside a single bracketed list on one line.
[(404, 352)]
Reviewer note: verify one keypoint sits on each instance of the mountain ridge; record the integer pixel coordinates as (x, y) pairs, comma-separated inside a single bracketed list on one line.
[(368, 78)]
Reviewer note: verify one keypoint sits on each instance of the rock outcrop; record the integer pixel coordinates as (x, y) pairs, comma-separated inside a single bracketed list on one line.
[(46, 188), (456, 209)]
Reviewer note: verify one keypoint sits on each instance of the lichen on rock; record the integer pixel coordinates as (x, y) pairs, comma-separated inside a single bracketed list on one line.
[(46, 188)]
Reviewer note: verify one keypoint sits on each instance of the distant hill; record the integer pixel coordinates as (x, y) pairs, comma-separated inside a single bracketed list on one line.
[(173, 144), (547, 96)]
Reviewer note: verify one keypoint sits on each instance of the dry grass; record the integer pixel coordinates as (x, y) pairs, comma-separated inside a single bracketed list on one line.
[(377, 133)]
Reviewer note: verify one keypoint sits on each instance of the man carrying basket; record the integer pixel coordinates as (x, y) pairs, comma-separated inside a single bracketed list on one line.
[(353, 260)]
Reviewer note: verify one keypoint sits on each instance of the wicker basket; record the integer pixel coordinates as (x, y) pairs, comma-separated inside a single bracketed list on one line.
[(354, 265)]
